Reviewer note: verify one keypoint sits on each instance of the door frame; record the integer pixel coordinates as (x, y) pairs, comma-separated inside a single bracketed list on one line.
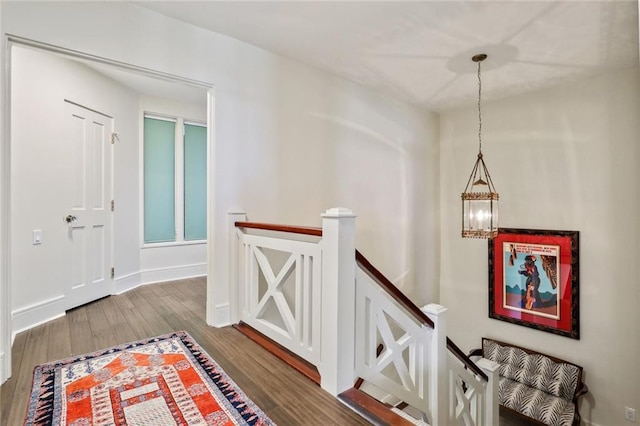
[(8, 41)]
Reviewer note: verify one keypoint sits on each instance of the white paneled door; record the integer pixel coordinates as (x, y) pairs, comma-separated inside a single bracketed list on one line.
[(88, 195)]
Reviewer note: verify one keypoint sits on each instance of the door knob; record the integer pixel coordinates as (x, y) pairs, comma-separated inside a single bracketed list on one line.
[(70, 218)]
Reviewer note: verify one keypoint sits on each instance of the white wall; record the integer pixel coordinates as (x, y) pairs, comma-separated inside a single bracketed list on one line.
[(38, 162), (290, 141), (307, 142), (328, 143), (563, 158)]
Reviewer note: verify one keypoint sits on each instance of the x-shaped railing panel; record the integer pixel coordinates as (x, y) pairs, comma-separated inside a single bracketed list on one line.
[(274, 288), (279, 301), (467, 392), (393, 351), (377, 318)]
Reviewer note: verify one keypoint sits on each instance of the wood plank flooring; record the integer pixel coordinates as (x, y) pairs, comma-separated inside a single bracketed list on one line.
[(285, 395)]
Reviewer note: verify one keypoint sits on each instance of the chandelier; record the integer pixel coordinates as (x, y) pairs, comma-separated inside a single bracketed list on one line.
[(479, 199)]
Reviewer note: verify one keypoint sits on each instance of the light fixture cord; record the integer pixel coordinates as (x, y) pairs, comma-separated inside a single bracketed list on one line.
[(479, 111)]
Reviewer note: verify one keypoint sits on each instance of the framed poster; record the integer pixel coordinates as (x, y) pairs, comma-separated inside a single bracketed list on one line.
[(533, 279)]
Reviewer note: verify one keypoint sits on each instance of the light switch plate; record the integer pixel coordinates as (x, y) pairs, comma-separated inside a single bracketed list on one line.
[(37, 237)]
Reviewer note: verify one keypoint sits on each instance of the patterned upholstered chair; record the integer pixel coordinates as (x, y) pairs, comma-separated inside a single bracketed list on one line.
[(537, 386)]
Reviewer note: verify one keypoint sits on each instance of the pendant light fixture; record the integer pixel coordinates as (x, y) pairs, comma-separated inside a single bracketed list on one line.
[(479, 199)]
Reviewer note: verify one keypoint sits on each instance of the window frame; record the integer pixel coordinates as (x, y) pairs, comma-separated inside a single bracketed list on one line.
[(179, 238)]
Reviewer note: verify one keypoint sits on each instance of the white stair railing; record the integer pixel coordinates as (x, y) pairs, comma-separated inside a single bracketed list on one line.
[(305, 289), (299, 291), (278, 290), (278, 279), (407, 365), (402, 368), (473, 390)]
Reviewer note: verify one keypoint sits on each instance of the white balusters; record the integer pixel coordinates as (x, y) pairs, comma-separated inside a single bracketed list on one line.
[(402, 368), (473, 400), (278, 284)]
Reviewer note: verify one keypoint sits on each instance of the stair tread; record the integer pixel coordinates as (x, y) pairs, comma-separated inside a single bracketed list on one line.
[(372, 409)]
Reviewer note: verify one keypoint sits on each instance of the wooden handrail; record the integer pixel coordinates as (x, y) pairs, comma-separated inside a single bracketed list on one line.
[(455, 350), (305, 230), (403, 300), (392, 290), (378, 277)]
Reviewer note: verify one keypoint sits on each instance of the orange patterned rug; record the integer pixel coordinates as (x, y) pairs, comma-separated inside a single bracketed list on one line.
[(162, 381)]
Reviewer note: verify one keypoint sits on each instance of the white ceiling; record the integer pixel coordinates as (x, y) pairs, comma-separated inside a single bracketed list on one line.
[(421, 51)]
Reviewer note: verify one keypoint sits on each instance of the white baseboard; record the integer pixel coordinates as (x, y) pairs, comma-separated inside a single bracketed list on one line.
[(127, 282), (31, 316), (221, 315), (27, 317), (172, 273), (150, 276)]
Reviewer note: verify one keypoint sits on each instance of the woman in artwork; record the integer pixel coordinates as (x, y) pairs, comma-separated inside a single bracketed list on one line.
[(529, 269)]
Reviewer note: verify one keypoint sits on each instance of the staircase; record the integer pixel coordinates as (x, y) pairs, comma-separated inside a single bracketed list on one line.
[(334, 316)]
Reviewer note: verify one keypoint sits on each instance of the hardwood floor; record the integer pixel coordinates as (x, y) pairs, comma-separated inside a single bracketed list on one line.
[(285, 395)]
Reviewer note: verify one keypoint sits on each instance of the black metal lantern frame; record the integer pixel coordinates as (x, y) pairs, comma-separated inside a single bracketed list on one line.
[(479, 199)]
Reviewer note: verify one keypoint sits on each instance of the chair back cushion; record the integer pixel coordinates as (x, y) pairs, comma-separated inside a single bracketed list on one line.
[(532, 369)]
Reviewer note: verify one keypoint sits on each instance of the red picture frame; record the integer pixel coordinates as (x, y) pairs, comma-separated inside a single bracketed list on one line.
[(534, 279)]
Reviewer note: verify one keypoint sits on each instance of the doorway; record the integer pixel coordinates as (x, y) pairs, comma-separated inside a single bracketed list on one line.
[(37, 238)]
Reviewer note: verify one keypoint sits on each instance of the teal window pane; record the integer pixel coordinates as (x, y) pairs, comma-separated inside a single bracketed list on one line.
[(159, 180), (195, 182)]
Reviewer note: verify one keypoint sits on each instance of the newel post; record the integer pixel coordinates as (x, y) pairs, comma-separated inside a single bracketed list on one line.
[(491, 396), (439, 369), (234, 266), (226, 292), (338, 300)]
